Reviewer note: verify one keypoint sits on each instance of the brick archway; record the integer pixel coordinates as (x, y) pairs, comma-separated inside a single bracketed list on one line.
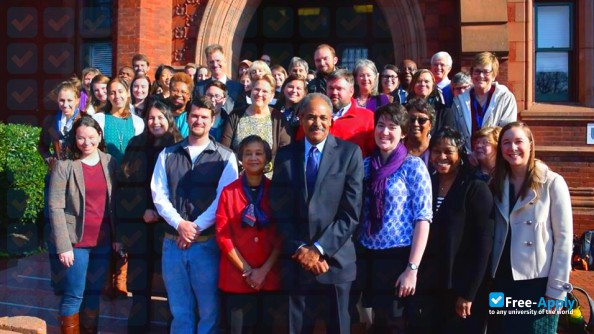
[(225, 22)]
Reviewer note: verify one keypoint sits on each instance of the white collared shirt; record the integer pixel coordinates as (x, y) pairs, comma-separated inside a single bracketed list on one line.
[(443, 83), (320, 147), (160, 191), (223, 79), (66, 123), (341, 112)]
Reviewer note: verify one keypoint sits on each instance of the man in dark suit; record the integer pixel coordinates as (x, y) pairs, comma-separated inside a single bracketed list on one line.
[(316, 200), (217, 64)]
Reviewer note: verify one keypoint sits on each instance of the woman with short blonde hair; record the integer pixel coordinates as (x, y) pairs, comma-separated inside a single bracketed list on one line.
[(487, 103)]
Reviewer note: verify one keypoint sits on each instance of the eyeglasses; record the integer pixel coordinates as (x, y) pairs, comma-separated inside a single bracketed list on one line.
[(478, 72), (216, 97), (461, 88), (421, 120), (389, 77)]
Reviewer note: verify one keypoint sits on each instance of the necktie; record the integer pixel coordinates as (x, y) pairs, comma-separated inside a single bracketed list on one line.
[(311, 170)]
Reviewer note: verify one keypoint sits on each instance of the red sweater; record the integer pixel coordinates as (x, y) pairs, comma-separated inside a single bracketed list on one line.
[(254, 245), (355, 125), (96, 225)]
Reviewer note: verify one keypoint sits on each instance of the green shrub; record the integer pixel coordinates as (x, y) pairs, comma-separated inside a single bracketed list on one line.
[(22, 172)]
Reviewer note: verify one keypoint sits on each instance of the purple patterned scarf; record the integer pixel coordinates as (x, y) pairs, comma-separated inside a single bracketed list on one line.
[(379, 174)]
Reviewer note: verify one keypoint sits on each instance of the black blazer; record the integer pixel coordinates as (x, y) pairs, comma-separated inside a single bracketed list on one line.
[(332, 214), (460, 239)]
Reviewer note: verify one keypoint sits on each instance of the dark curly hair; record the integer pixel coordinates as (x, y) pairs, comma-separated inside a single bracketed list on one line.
[(451, 135)]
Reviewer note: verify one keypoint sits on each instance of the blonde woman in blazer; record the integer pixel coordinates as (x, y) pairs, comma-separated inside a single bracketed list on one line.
[(533, 232), (82, 225)]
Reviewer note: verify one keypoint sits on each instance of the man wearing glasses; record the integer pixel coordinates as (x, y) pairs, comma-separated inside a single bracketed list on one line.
[(460, 83), (216, 91), (217, 64)]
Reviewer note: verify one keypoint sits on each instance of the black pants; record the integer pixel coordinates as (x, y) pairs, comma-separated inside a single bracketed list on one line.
[(308, 302), (262, 312), (377, 272)]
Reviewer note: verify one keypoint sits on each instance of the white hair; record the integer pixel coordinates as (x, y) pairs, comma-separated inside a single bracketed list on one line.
[(442, 54)]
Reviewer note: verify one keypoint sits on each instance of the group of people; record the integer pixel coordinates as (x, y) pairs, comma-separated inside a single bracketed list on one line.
[(277, 201)]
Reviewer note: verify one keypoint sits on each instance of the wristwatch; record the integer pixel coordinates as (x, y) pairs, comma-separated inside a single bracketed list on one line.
[(413, 266)]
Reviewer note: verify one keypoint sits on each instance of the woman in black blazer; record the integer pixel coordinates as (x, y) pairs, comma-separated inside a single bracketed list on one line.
[(139, 226), (459, 245)]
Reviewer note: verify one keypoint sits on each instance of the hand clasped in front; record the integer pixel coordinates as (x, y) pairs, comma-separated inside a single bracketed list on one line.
[(309, 258)]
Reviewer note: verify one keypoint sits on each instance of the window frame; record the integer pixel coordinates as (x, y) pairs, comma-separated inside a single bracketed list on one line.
[(84, 39), (570, 51)]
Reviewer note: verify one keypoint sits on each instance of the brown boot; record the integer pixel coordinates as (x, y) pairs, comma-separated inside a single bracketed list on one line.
[(120, 276), (69, 324), (89, 322)]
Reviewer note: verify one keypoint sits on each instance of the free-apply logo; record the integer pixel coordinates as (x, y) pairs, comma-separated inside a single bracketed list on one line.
[(496, 299)]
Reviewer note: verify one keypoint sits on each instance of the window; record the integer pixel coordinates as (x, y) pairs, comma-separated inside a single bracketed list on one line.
[(350, 55), (355, 28), (99, 55), (554, 51), (95, 30)]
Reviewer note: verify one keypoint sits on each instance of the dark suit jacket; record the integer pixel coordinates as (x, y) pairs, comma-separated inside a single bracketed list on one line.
[(234, 88), (332, 214), (50, 138), (460, 239)]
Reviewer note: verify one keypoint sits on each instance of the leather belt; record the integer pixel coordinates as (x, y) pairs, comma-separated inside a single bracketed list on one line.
[(200, 238)]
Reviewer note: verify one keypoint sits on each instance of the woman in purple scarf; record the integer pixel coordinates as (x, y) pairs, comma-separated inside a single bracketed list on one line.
[(397, 211)]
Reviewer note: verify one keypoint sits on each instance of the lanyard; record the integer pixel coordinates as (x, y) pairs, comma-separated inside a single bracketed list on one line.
[(478, 112)]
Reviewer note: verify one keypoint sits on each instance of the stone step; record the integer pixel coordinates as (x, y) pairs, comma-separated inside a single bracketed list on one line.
[(25, 291)]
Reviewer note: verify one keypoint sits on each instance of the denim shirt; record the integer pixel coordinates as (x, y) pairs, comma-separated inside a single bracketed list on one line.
[(407, 199)]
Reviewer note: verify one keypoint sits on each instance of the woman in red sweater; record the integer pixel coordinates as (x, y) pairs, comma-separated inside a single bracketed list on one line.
[(82, 225), (250, 245)]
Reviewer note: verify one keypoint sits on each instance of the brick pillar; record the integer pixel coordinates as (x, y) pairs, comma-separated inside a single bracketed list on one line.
[(144, 26), (586, 53), (521, 63)]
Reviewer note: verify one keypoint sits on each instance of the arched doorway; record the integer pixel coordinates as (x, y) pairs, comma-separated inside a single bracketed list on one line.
[(228, 22)]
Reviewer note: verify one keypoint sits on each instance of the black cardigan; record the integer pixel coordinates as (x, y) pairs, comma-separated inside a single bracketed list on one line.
[(460, 238)]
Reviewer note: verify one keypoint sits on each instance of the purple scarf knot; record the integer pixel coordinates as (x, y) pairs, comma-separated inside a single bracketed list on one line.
[(376, 188)]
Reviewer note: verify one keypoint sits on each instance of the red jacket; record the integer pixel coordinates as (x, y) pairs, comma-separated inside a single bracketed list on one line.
[(254, 245), (355, 125)]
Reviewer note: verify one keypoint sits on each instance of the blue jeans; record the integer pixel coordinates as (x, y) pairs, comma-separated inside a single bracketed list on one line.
[(191, 279), (82, 283)]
